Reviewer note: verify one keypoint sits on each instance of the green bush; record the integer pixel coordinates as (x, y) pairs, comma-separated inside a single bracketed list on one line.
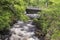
[(5, 19), (10, 11), (49, 23)]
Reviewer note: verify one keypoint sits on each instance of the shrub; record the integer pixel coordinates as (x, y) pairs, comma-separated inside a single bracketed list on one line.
[(10, 11), (49, 23), (5, 19)]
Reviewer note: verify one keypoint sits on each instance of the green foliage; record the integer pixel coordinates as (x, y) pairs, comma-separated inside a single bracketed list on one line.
[(49, 22), (5, 19), (11, 10)]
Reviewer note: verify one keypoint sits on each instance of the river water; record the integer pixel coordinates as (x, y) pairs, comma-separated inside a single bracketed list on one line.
[(23, 31)]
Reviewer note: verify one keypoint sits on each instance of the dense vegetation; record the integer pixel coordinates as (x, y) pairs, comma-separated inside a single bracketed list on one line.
[(13, 10), (48, 22)]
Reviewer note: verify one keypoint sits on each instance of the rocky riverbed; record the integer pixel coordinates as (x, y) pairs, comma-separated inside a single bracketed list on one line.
[(23, 31)]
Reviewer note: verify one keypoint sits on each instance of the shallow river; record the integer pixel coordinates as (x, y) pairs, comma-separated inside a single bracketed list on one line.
[(23, 31)]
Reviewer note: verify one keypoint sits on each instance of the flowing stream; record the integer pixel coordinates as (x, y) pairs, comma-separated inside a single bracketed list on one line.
[(24, 30)]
